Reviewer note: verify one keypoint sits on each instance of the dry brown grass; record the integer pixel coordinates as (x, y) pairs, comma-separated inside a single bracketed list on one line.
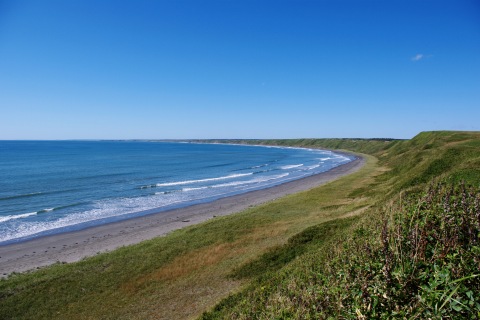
[(186, 264)]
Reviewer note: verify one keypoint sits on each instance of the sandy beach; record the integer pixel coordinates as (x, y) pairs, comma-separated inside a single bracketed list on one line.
[(76, 245)]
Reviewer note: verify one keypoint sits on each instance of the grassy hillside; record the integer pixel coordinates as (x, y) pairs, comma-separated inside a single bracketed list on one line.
[(377, 243), (414, 254), (429, 155), (368, 146)]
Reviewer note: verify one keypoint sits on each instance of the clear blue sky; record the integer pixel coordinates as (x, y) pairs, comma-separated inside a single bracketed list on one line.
[(97, 69)]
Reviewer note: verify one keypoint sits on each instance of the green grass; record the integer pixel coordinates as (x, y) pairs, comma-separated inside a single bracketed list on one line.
[(414, 254), (368, 146), (308, 240), (419, 261), (434, 154), (300, 256)]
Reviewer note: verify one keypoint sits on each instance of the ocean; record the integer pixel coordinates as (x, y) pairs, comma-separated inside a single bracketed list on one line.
[(49, 187)]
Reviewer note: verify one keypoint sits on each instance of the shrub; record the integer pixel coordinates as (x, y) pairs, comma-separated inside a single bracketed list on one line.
[(422, 262)]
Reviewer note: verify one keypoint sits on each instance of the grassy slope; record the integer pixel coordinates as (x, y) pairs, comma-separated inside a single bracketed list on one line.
[(406, 257), (366, 146), (276, 245)]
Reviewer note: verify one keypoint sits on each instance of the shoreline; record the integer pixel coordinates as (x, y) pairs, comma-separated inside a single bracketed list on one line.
[(76, 245)]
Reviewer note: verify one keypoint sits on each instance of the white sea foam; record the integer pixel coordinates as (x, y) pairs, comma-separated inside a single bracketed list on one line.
[(178, 183), (194, 189), (17, 216), (343, 158), (103, 209), (312, 167), (291, 166), (239, 183), (256, 181), (260, 166)]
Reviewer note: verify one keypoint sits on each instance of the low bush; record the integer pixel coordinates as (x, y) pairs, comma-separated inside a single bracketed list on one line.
[(422, 262)]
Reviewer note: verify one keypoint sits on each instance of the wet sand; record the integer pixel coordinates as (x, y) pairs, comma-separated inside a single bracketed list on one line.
[(76, 245)]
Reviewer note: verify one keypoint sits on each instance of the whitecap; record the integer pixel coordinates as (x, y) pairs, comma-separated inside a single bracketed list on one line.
[(17, 216), (177, 183), (193, 189), (260, 166), (291, 166), (256, 181)]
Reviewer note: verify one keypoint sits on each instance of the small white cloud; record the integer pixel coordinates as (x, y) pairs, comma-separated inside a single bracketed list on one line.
[(418, 57)]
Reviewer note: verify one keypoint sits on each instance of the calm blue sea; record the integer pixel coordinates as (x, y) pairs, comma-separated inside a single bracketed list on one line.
[(55, 186)]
